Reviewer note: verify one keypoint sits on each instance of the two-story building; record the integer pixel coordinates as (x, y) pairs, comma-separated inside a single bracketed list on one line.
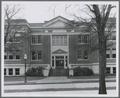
[(57, 44)]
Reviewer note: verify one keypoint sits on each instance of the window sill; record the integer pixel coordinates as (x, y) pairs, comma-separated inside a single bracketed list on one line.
[(110, 58), (13, 42), (82, 59), (12, 59), (82, 43), (37, 44), (36, 60)]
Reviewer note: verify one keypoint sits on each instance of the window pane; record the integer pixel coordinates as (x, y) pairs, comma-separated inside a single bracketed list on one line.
[(80, 38), (5, 57), (113, 55), (60, 40), (34, 55), (33, 39), (52, 62), (39, 55), (39, 38), (114, 69), (79, 54), (17, 71), (17, 57), (108, 70), (85, 38), (10, 56), (10, 70), (107, 55), (4, 71), (85, 54)]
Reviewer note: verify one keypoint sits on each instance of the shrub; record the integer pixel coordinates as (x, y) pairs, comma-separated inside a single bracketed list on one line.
[(78, 71), (35, 71)]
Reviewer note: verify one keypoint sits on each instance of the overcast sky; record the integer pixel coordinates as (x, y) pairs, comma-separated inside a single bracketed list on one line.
[(43, 11)]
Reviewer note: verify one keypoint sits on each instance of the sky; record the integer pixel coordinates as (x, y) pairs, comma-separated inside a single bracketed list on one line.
[(40, 11)]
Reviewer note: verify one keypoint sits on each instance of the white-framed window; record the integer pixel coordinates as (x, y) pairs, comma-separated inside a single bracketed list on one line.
[(10, 71), (36, 39), (36, 55), (59, 40), (17, 71), (12, 57), (111, 53)]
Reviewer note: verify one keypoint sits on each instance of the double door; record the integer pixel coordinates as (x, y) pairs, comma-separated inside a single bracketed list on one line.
[(59, 61)]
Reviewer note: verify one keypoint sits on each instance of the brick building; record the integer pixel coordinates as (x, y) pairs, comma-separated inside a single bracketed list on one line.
[(57, 44)]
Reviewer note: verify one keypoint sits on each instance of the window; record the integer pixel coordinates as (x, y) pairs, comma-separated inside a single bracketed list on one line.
[(17, 57), (83, 38), (85, 54), (10, 71), (36, 55), (4, 71), (10, 56), (80, 38), (107, 55), (113, 48), (33, 39), (108, 70), (113, 55), (53, 61), (5, 56), (79, 54), (114, 70), (82, 54), (113, 37), (59, 40), (39, 55), (36, 39), (39, 39), (17, 71)]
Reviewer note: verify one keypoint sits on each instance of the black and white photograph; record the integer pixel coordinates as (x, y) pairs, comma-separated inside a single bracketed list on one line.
[(60, 48)]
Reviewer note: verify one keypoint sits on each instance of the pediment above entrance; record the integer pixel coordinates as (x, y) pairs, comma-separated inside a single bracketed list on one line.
[(59, 51), (58, 22)]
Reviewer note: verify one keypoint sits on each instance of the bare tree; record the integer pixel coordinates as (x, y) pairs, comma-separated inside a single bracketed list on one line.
[(100, 32), (10, 13), (10, 27), (101, 18)]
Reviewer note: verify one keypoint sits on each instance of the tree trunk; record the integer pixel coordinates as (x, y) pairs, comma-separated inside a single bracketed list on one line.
[(102, 65)]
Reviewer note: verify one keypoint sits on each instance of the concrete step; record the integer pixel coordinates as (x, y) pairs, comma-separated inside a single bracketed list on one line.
[(58, 72)]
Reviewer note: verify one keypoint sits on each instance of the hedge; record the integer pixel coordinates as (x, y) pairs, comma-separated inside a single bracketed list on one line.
[(35, 71), (78, 71)]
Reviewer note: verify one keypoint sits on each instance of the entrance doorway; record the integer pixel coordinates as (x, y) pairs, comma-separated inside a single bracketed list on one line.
[(60, 61), (59, 65)]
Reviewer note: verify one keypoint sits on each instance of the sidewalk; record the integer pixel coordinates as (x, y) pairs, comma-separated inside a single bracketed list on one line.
[(57, 86), (55, 80)]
